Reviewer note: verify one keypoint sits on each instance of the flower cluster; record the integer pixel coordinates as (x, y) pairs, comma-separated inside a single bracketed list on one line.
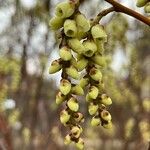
[(145, 4), (81, 53)]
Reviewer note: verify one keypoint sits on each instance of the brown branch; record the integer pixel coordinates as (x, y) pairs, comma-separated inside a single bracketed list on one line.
[(102, 14), (106, 11), (120, 8)]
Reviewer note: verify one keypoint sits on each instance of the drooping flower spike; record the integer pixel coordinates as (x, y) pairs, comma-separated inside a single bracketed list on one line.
[(82, 60)]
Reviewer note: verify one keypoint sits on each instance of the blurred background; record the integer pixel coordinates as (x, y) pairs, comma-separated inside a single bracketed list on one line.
[(29, 117)]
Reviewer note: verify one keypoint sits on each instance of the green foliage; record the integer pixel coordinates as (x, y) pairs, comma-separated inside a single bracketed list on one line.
[(9, 68)]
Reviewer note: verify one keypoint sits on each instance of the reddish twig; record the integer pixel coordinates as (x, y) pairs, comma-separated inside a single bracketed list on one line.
[(120, 8), (5, 131), (102, 14)]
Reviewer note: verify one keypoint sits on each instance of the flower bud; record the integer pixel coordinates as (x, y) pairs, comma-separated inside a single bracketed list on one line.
[(65, 86), (107, 125), (93, 92), (76, 45), (99, 60), (92, 108), (105, 115), (98, 32), (147, 8), (64, 116), (65, 54), (73, 62), (88, 98), (95, 121), (56, 23), (80, 144), (82, 23), (100, 40), (77, 90), (84, 82), (70, 28), (95, 74), (73, 104), (81, 34), (100, 46), (82, 63), (78, 117), (89, 48), (72, 72), (141, 3), (100, 85), (81, 129), (67, 139), (67, 124), (55, 66), (106, 100), (76, 131), (102, 107), (60, 98), (65, 9)]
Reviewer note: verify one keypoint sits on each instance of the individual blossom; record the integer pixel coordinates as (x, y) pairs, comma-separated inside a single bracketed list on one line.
[(65, 9)]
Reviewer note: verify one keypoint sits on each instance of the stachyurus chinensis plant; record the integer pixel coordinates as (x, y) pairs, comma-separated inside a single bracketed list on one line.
[(82, 61)]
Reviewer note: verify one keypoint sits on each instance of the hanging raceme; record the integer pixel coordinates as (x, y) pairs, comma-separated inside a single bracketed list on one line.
[(81, 52)]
